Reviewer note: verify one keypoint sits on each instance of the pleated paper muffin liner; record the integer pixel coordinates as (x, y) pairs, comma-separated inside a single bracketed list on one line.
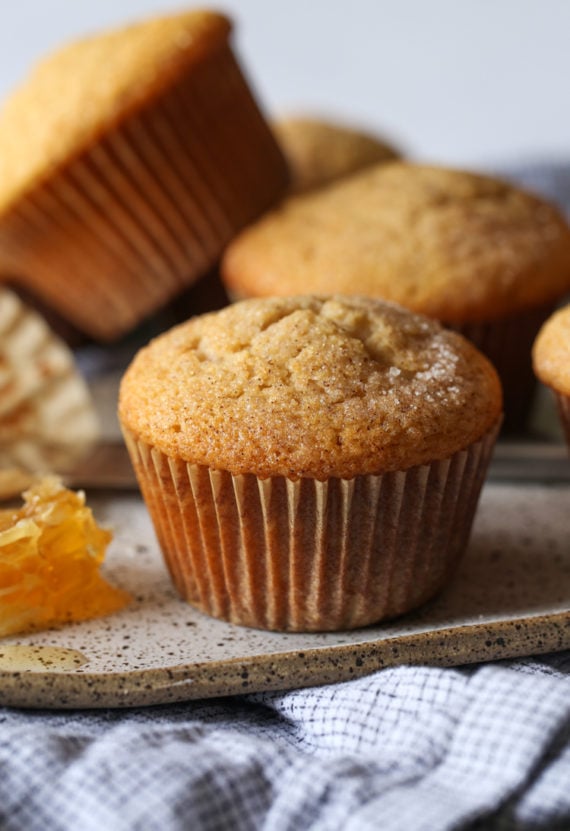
[(508, 345), (145, 211), (307, 555), (47, 417), (563, 405)]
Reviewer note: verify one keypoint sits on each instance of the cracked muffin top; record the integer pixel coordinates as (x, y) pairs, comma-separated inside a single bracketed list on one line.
[(455, 246), (310, 387)]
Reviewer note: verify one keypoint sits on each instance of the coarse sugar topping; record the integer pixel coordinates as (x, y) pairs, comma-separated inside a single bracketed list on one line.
[(310, 386)]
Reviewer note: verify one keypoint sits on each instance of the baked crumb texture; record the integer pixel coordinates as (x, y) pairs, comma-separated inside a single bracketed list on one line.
[(551, 361), (480, 255), (551, 351), (311, 387), (127, 162), (310, 463), (455, 246)]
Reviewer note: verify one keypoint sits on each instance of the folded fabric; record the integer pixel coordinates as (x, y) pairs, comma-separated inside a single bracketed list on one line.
[(412, 747)]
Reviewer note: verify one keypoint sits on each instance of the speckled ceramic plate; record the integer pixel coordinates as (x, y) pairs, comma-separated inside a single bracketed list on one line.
[(511, 597)]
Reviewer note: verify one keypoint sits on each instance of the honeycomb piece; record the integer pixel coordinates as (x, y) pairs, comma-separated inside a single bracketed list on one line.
[(51, 551)]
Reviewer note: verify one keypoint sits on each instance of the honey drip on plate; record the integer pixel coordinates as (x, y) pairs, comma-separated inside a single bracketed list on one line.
[(24, 658), (51, 551)]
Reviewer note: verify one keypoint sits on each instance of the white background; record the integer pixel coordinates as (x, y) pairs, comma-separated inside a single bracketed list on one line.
[(465, 82)]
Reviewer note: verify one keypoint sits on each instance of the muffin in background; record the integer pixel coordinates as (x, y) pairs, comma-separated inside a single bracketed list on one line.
[(207, 294), (320, 151), (479, 255), (310, 463), (551, 361), (128, 160)]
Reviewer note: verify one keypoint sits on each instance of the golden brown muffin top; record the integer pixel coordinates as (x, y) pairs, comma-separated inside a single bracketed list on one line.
[(551, 352), (86, 87), (452, 245), (320, 151), (310, 387)]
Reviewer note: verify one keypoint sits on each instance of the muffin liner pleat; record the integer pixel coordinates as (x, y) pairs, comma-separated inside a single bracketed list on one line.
[(149, 207), (47, 418), (563, 405), (306, 555), (508, 345)]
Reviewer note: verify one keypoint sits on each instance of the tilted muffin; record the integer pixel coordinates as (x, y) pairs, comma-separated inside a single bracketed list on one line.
[(479, 255), (127, 161), (319, 151), (551, 360), (310, 463)]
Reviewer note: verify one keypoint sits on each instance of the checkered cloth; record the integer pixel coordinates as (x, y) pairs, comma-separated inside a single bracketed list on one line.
[(420, 748), (407, 748)]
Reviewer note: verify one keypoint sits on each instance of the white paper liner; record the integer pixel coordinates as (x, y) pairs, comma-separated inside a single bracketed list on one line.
[(307, 555), (47, 417)]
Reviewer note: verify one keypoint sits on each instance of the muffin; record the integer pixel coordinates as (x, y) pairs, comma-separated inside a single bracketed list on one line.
[(479, 255), (127, 161), (551, 360), (320, 151), (310, 463), (51, 553)]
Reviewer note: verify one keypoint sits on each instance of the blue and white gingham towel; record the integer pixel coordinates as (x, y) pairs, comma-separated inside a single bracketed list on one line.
[(407, 748), (420, 748)]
